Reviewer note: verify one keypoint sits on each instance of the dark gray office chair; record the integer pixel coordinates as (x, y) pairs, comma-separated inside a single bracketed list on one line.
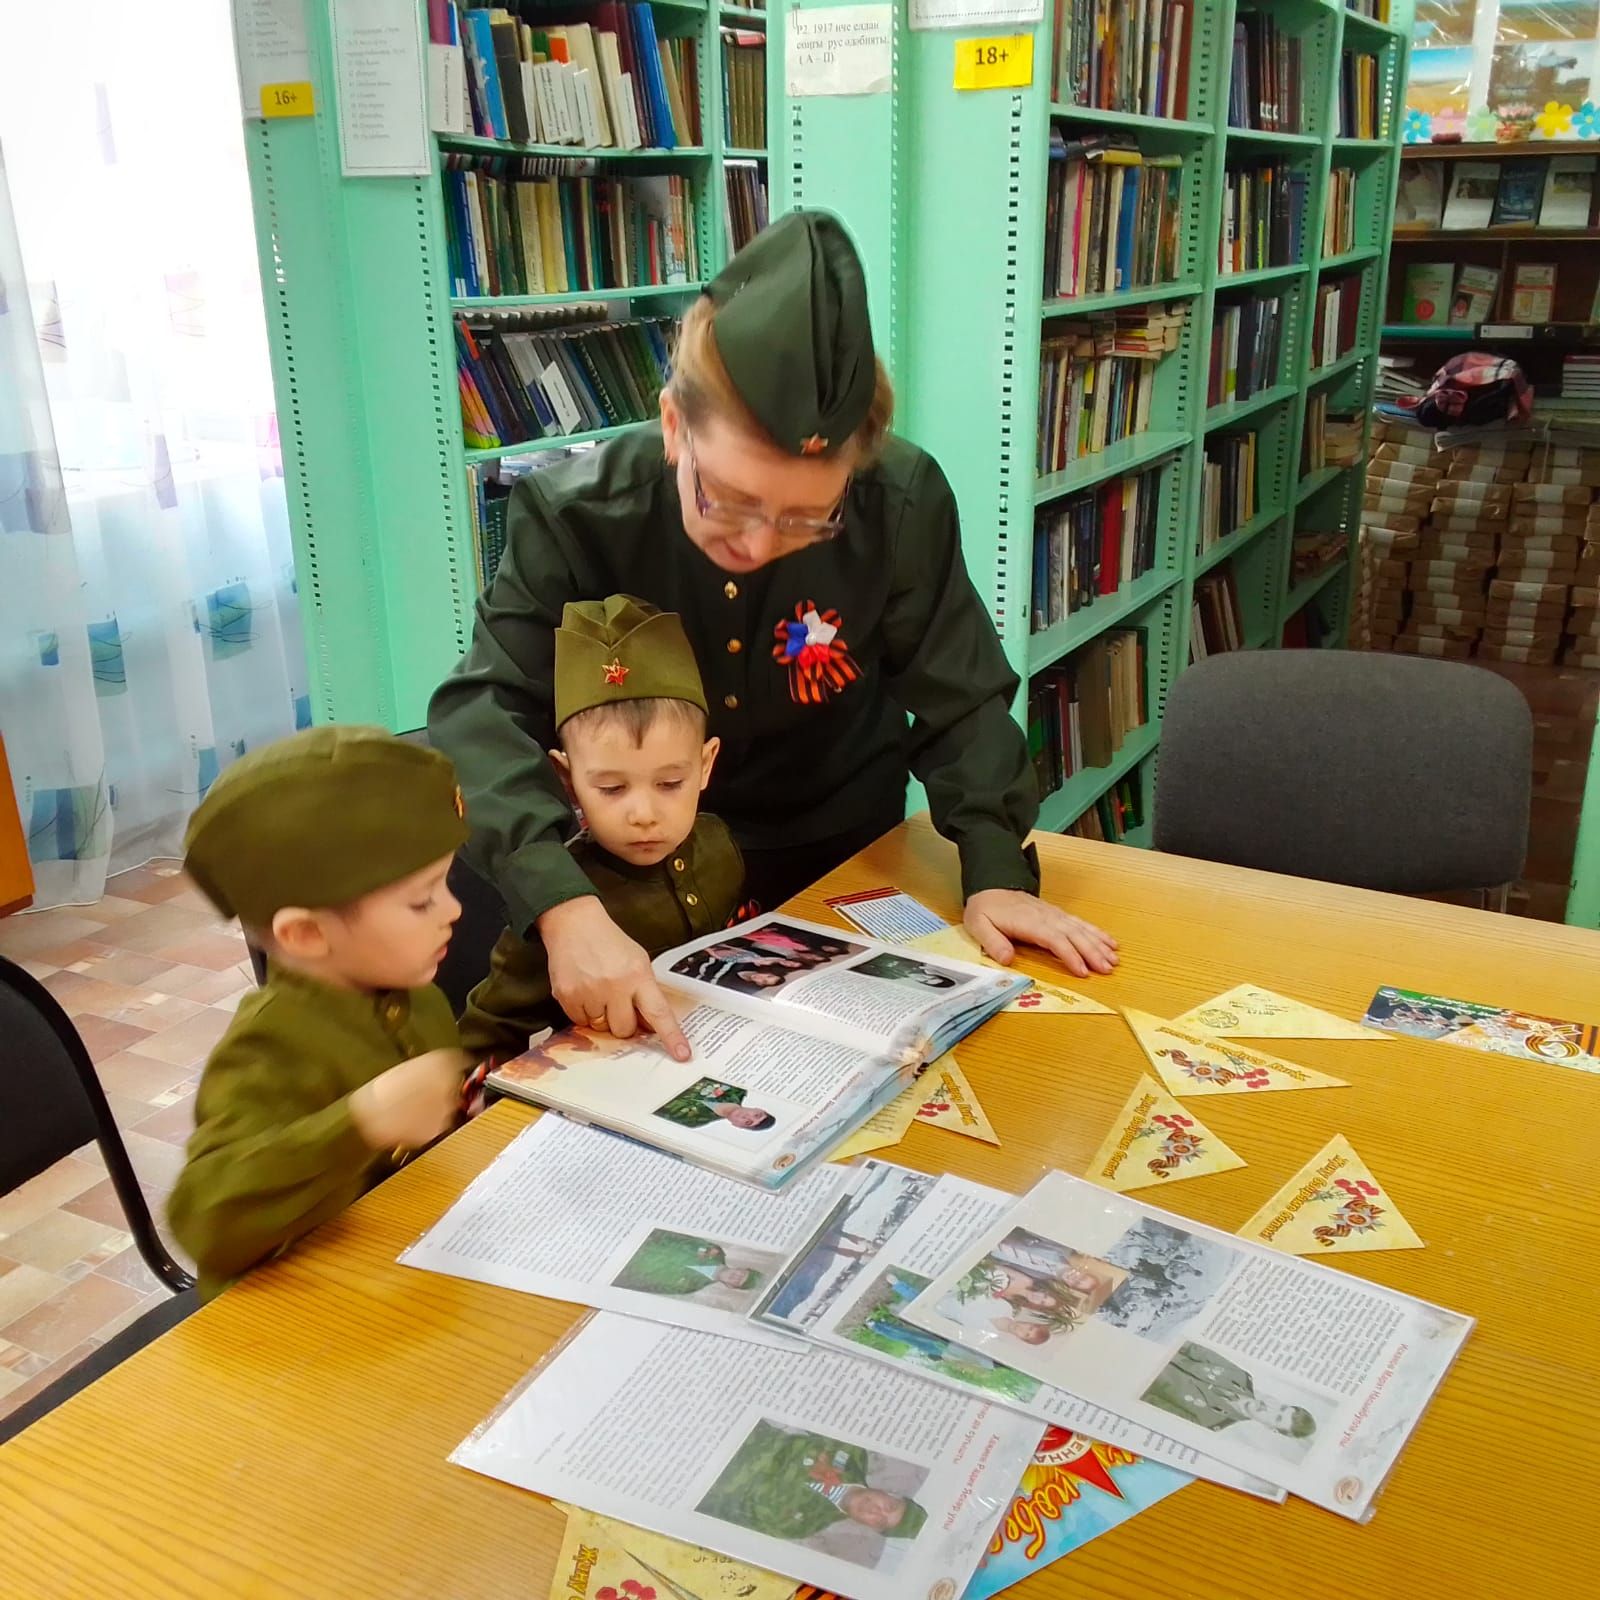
[(51, 1104), (1386, 772)]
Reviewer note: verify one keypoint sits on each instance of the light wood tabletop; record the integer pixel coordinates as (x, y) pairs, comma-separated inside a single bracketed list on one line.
[(291, 1438)]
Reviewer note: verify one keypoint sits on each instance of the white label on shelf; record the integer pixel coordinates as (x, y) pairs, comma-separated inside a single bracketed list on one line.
[(378, 61), (1504, 330), (930, 14), (447, 88), (555, 386), (840, 50), (269, 45)]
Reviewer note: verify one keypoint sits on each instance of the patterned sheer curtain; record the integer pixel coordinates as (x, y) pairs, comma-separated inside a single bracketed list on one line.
[(148, 626)]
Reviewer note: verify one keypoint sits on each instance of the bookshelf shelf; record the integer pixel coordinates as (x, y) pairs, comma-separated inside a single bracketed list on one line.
[(471, 144), (1309, 588), (1567, 333), (1313, 481), (1337, 369), (1082, 789), (1231, 544), (1124, 456), (1351, 258), (1176, 126), (1368, 30), (1257, 275), (1047, 648), (1232, 411), (570, 297), (1268, 136), (1360, 147), (733, 153), (1508, 230), (742, 16), (1082, 304), (560, 441)]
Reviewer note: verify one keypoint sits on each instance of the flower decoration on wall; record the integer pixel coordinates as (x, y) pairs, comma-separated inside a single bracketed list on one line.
[(1555, 121), (1586, 120), (1482, 125), (1418, 126)]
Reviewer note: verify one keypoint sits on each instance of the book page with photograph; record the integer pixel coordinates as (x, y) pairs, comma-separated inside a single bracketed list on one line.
[(803, 1462), (1304, 1375), (877, 1247), (758, 1101), (844, 986), (574, 1213)]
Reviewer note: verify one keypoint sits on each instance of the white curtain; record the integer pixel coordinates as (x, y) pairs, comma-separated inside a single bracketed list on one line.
[(148, 627)]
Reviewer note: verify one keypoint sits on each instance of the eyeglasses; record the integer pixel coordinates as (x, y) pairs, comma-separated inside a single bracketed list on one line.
[(789, 527)]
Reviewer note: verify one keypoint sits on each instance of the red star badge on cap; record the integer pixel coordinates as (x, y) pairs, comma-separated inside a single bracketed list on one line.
[(814, 446), (614, 671)]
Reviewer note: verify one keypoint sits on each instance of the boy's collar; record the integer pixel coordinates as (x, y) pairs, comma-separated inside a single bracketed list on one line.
[(629, 869), (281, 976)]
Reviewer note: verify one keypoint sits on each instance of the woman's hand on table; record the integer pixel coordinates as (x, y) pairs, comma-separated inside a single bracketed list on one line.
[(602, 979), (1001, 919)]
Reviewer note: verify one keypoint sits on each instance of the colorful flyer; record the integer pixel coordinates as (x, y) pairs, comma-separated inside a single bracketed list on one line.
[(1154, 1140), (1333, 1203), (1251, 1012), (1047, 998), (1200, 1063), (951, 1102), (605, 1560), (1073, 1490), (1496, 1029)]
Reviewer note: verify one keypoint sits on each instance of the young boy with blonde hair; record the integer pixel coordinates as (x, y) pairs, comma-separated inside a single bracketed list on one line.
[(331, 848)]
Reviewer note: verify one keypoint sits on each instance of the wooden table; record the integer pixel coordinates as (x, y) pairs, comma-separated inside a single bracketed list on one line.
[(290, 1439)]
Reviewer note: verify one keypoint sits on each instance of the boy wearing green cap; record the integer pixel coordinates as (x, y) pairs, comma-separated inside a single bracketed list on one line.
[(631, 724), (331, 848)]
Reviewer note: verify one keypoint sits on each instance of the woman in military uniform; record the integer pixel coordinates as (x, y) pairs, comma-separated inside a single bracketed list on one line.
[(816, 563)]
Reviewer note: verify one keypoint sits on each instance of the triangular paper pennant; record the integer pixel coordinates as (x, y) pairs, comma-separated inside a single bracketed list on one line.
[(952, 1104), (1251, 1012), (1332, 1203), (1154, 1140), (1047, 998), (887, 1125), (1192, 1063)]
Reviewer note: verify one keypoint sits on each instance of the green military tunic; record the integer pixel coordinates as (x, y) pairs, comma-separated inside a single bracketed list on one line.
[(1202, 1386), (695, 1107), (693, 892), (907, 622), (672, 1263), (778, 1484), (275, 1151)]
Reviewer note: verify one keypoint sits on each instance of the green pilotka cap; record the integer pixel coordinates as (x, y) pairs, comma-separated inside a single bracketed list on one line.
[(622, 649), (792, 329), (320, 819)]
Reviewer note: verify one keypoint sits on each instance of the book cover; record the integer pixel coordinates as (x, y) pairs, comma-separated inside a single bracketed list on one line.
[(1533, 291), (1427, 292), (1420, 200), (1473, 187), (1517, 198), (1475, 292), (1568, 192)]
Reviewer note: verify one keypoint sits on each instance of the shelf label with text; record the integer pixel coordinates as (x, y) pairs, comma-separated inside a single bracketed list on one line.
[(287, 100), (1002, 62)]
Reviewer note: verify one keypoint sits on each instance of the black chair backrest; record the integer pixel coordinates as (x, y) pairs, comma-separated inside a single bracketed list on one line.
[(1386, 772), (51, 1104)]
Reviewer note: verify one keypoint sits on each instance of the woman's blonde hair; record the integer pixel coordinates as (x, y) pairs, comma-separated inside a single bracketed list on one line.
[(702, 388)]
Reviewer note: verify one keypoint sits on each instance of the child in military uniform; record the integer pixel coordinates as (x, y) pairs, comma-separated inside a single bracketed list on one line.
[(331, 848), (631, 718)]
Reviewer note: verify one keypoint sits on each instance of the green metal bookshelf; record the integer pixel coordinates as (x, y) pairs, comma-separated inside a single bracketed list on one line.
[(945, 191), (359, 315)]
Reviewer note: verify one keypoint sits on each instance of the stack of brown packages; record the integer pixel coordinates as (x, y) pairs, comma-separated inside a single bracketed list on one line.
[(1582, 648), (1403, 472)]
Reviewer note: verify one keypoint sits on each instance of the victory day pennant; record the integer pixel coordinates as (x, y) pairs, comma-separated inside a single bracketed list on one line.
[(1192, 1063), (1250, 1012), (1044, 996), (1154, 1140), (951, 1103), (1332, 1203), (887, 1125)]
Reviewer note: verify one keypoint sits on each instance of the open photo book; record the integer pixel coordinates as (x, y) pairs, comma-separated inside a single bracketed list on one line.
[(799, 1034)]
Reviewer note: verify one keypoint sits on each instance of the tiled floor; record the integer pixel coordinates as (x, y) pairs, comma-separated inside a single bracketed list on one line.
[(150, 976)]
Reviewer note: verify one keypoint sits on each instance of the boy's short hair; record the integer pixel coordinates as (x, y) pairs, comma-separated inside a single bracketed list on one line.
[(634, 717)]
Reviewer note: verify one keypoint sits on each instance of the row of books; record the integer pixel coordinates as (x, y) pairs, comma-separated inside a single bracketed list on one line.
[(1265, 88), (1227, 486), (744, 90), (1359, 116), (513, 232), (1113, 816), (1079, 713), (1580, 377), (1527, 192), (1097, 380), (1439, 292), (1334, 322), (1331, 439), (521, 383), (489, 486), (1246, 336), (1216, 624), (1376, 10), (1339, 212), (1263, 217), (747, 209), (609, 82), (1091, 543), (1313, 552), (1111, 215), (1124, 55)]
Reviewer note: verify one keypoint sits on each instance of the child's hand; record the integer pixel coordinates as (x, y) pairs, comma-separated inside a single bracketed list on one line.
[(412, 1104)]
